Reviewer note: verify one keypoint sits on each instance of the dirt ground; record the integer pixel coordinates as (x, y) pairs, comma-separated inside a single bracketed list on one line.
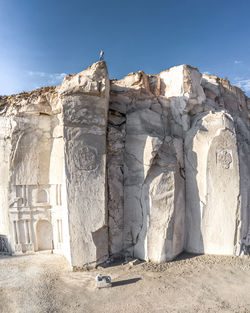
[(43, 283)]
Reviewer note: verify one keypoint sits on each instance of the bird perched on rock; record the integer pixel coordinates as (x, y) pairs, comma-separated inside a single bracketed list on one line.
[(101, 55)]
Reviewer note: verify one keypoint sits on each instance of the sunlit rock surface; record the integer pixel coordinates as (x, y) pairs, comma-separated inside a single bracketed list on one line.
[(85, 98), (213, 184), (146, 167)]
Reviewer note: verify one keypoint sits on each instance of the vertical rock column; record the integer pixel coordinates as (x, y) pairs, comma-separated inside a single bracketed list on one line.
[(212, 185), (154, 204), (85, 99), (243, 142), (5, 128)]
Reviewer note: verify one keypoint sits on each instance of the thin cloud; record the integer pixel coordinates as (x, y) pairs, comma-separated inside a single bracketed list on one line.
[(39, 74), (48, 78), (244, 84), (208, 73), (57, 77), (237, 62)]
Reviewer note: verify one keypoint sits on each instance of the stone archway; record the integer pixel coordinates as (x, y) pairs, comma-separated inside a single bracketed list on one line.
[(44, 234)]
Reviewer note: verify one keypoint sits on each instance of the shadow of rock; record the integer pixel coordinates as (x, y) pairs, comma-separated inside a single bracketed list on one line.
[(125, 282), (186, 256)]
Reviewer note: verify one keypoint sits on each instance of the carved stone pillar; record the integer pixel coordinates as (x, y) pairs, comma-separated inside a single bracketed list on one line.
[(18, 245), (15, 232), (30, 245), (27, 235), (18, 232), (30, 230)]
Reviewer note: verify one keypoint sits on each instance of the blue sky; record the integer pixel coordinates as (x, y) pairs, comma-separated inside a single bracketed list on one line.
[(41, 40)]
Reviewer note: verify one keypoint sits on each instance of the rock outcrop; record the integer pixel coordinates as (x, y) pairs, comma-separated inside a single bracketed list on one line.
[(146, 166), (85, 99)]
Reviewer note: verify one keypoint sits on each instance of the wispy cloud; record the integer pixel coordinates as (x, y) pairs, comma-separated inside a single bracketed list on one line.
[(48, 78), (40, 74), (237, 62), (244, 84), (208, 73)]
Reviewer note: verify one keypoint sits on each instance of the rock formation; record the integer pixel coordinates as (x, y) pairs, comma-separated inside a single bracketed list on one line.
[(146, 166)]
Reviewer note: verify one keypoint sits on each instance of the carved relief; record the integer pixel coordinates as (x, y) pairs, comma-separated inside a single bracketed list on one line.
[(17, 237), (59, 231), (58, 194), (22, 233), (224, 159), (28, 247), (39, 196), (85, 158), (27, 231), (44, 233), (16, 232), (24, 196), (28, 205), (18, 248), (20, 199)]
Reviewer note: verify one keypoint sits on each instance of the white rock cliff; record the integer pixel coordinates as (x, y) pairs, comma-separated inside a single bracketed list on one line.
[(147, 166)]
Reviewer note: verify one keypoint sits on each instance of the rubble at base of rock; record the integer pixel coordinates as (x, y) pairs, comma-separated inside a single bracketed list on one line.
[(144, 167)]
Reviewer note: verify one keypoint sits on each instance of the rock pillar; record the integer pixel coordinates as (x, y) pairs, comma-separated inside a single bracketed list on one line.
[(85, 98), (212, 185)]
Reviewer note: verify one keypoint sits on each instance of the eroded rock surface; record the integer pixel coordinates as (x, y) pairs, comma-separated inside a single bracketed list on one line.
[(213, 184), (84, 99), (146, 166)]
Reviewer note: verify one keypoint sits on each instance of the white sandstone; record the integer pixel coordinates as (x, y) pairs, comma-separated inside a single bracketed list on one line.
[(147, 166)]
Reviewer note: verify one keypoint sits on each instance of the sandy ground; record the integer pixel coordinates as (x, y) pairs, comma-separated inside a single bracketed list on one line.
[(43, 283)]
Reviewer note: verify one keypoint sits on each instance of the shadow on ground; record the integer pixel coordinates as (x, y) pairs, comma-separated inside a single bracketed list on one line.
[(125, 282), (185, 256), (120, 261)]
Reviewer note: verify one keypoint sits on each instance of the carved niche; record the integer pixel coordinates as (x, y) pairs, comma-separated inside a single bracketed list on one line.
[(41, 196)]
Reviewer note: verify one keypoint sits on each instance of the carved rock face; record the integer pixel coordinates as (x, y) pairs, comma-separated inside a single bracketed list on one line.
[(213, 185), (144, 167)]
